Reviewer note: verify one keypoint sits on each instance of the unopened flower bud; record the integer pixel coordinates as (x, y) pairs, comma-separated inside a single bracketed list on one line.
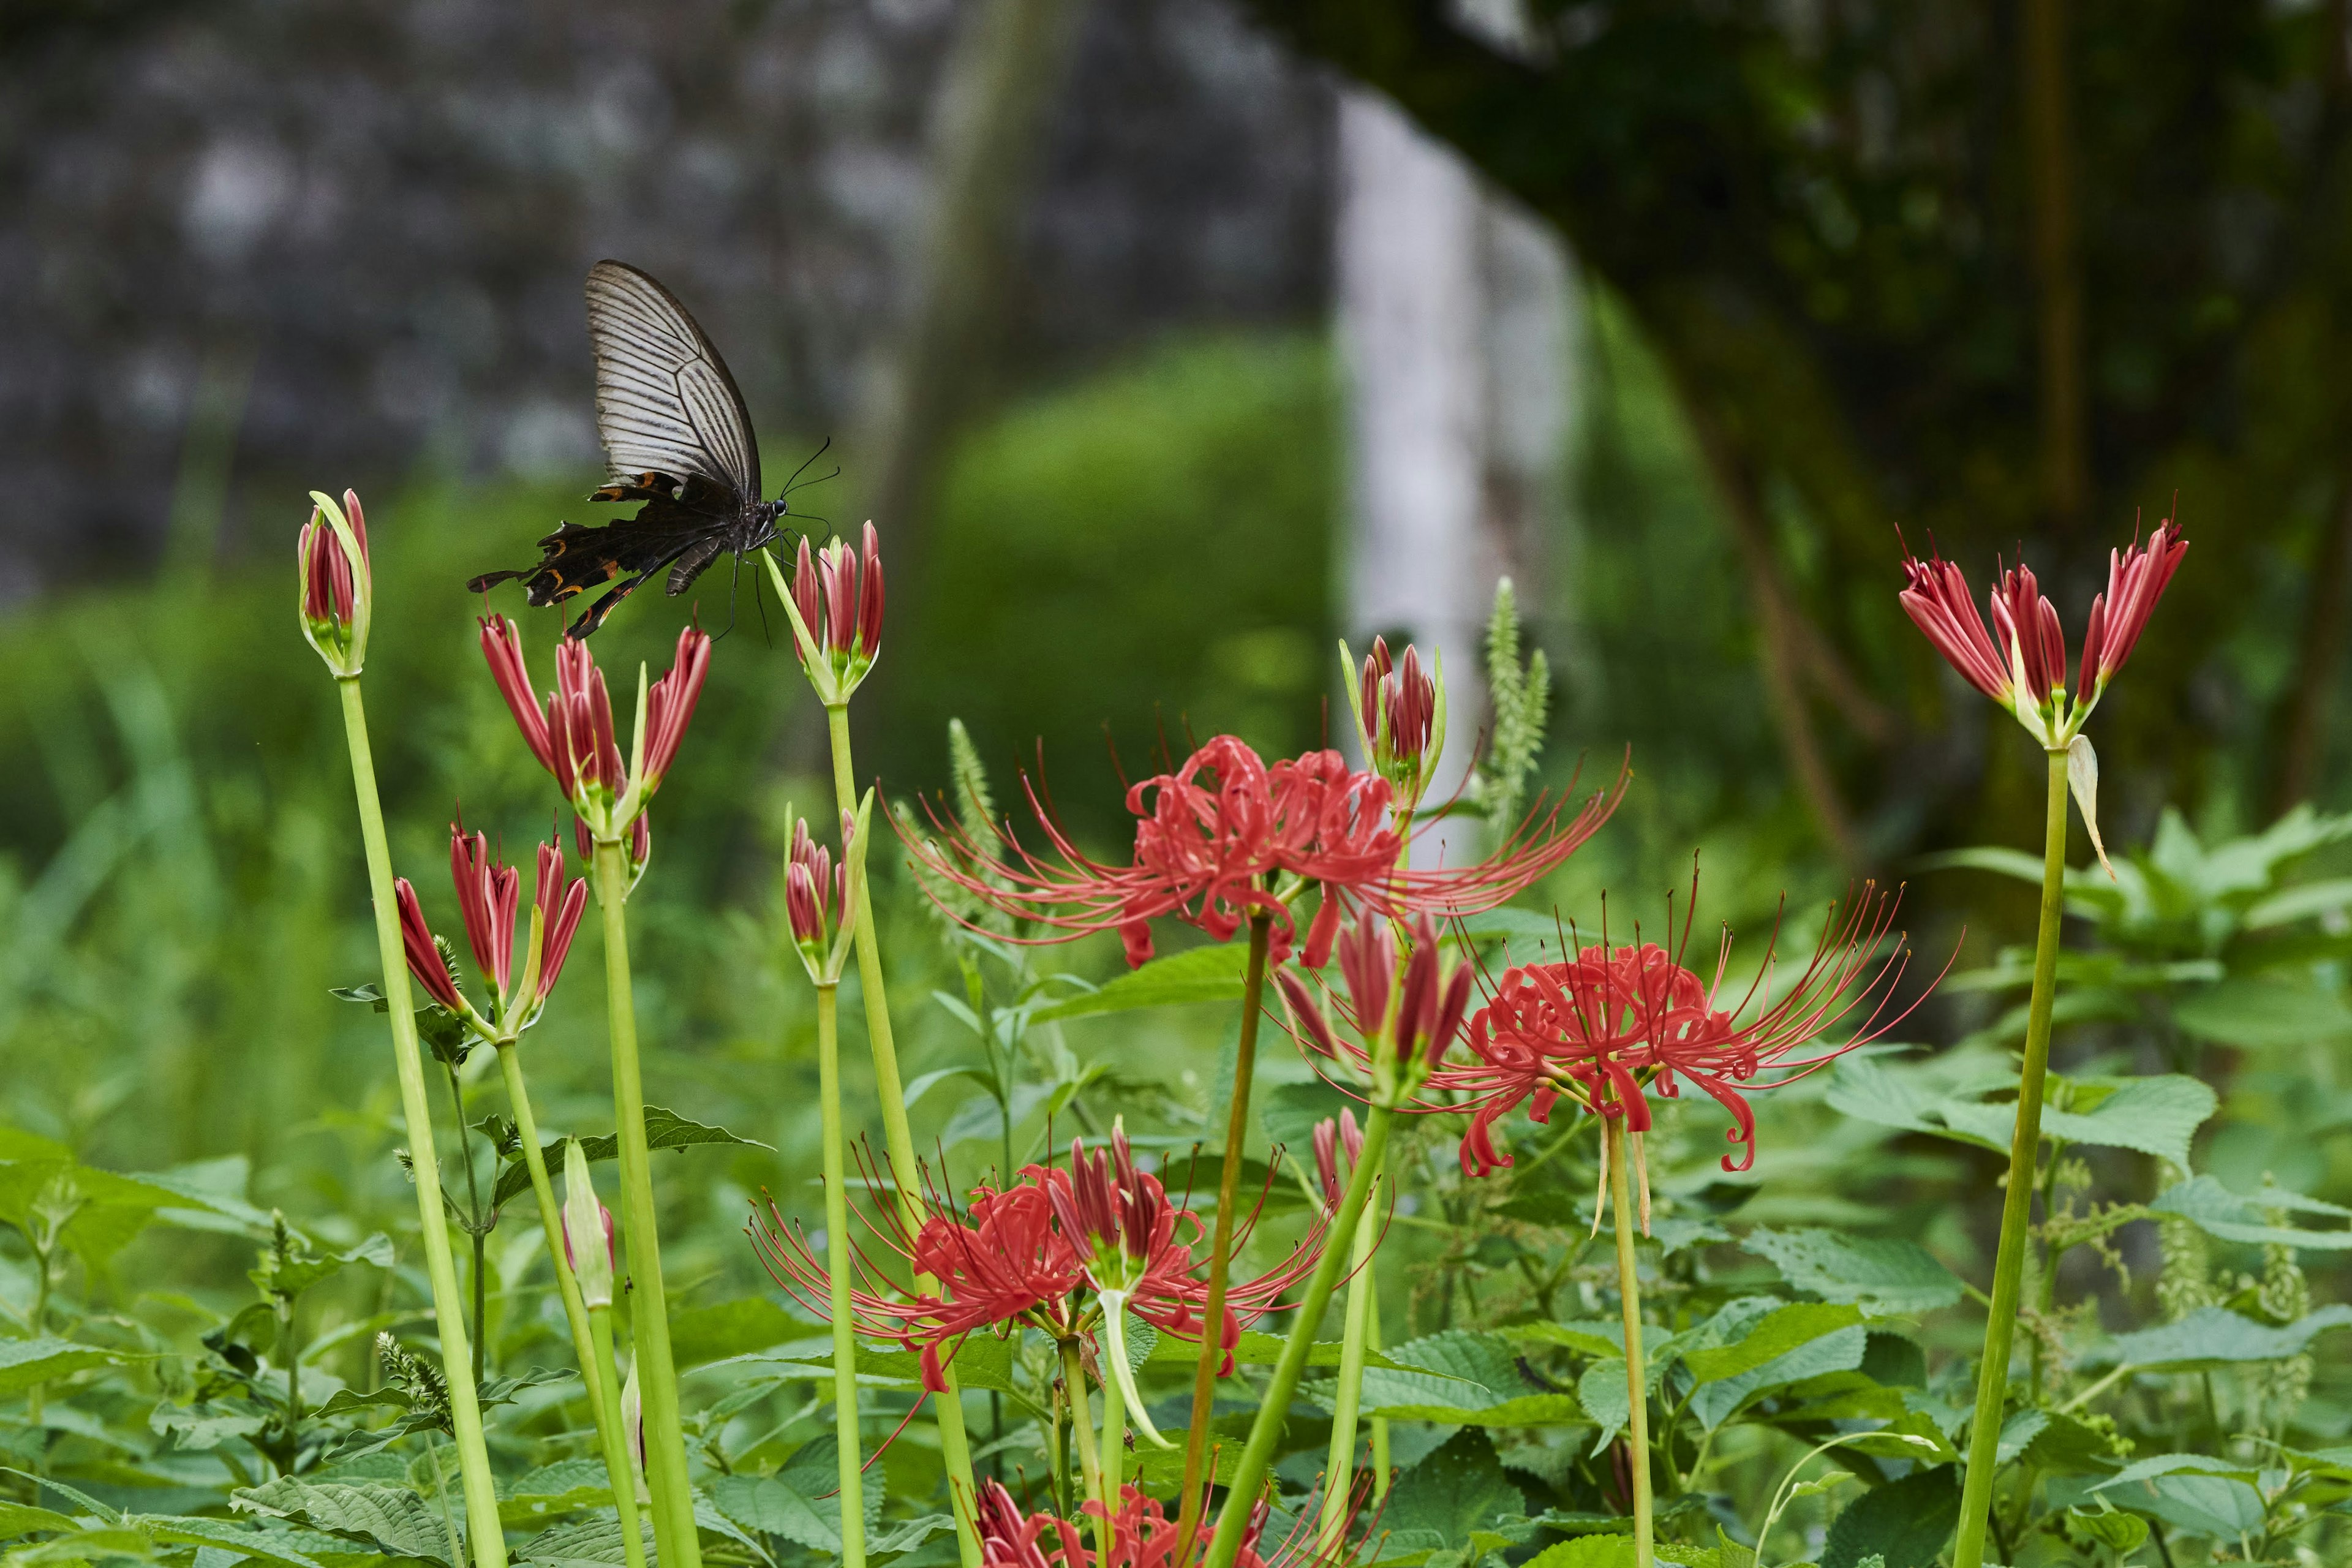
[(836, 597), (1306, 1012), (1367, 961), (336, 587), (585, 1216)]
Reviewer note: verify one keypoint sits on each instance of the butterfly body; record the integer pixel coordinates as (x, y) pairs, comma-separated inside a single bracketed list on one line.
[(676, 439)]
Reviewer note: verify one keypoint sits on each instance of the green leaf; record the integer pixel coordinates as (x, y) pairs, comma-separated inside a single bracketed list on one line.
[(388, 1519), (910, 1534), (1211, 974), (261, 1543), (1463, 1378), (2121, 1533), (770, 1506), (587, 1542), (1869, 1088), (2191, 1492), (2215, 1336), (20, 1518), (1290, 1110), (24, 1363), (1779, 1332), (2216, 1210), (1455, 1494), (1887, 1273), (703, 1334), (1588, 1552), (2263, 1011), (2158, 1115), (1906, 1522), (664, 1129), (1841, 1350), (97, 1508)]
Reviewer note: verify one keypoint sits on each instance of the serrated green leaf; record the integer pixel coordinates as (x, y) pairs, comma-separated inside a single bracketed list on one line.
[(220, 1533), (2213, 1337), (2219, 1211), (22, 1519), (1885, 1272), (1905, 1523), (389, 1519)]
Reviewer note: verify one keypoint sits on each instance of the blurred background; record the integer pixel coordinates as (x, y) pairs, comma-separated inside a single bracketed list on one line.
[(1166, 342)]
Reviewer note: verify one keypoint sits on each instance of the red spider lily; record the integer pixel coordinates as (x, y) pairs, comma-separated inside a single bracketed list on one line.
[(336, 587), (1400, 1047), (1613, 1024), (1039, 1252), (2021, 662), (815, 889), (836, 603), (1142, 1536), (487, 894), (1226, 837), (1401, 710), (573, 736)]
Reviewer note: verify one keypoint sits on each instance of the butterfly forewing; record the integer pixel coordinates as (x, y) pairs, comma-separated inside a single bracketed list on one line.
[(665, 400)]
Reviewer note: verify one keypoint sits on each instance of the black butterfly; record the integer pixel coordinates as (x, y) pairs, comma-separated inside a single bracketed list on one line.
[(676, 436)]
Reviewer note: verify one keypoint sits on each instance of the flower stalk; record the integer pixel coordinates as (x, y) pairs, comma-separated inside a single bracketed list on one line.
[(1082, 1438), (2017, 1203), (596, 1372), (1338, 1474), (675, 1538), (334, 605), (1637, 1393), (1257, 1455), (1220, 1241), (835, 604), (837, 1262)]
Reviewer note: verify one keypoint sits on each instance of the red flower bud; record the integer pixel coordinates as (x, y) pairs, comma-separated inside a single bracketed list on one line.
[(425, 960), (560, 903)]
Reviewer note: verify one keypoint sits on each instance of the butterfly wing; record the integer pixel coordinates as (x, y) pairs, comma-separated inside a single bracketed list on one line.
[(685, 526), (666, 402)]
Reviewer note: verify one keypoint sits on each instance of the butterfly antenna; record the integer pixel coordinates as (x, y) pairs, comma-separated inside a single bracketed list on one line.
[(813, 456)]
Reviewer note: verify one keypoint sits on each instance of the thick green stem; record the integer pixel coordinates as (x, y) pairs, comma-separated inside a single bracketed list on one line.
[(1194, 1497), (440, 1268), (1637, 1385), (473, 1231), (1082, 1438), (675, 1542), (1273, 1407), (618, 1468), (899, 1138), (2017, 1204), (1380, 1465), (838, 1263), (1355, 1338)]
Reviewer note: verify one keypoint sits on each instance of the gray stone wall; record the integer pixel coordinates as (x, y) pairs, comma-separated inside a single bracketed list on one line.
[(364, 224)]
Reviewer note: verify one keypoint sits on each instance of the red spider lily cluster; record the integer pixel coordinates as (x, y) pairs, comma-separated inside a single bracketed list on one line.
[(488, 896), (1142, 1536), (572, 735), (1612, 1026), (2021, 662), (335, 582), (1041, 1251), (1225, 838)]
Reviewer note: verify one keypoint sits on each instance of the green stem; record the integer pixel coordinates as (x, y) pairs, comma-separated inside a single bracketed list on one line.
[(627, 1485), (1194, 1497), (899, 1138), (473, 1213), (1082, 1438), (449, 1313), (605, 1410), (1340, 1468), (1637, 1388), (2017, 1204), (675, 1542), (1114, 1429), (1266, 1431), (838, 1263), (441, 1491), (1381, 1457)]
